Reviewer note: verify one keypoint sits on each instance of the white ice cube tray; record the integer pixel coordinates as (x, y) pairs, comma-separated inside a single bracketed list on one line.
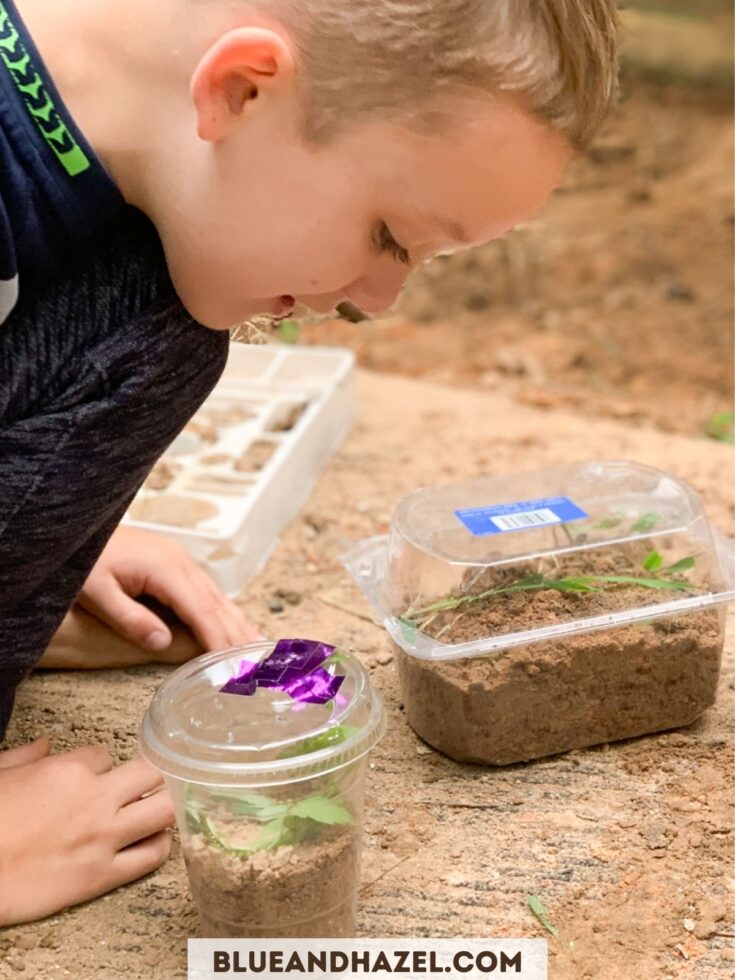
[(257, 401)]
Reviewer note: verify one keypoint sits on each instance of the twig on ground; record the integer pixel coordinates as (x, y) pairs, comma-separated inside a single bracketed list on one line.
[(454, 805), (347, 609), (386, 872)]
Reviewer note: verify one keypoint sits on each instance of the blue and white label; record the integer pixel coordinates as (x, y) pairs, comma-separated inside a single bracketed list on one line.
[(520, 516)]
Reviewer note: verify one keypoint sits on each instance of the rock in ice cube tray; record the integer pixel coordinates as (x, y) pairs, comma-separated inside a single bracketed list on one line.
[(244, 465)]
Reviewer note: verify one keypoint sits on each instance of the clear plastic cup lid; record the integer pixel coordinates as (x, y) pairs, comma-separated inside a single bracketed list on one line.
[(263, 714), (500, 561)]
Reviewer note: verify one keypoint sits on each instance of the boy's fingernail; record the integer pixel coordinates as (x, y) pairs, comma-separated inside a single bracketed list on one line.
[(157, 640)]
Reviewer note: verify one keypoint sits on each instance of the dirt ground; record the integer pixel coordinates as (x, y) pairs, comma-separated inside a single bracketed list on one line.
[(616, 302), (627, 845)]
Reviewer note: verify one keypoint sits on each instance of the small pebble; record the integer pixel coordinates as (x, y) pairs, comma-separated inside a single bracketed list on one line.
[(705, 928), (275, 606), (477, 302), (289, 595), (639, 195), (384, 658), (680, 292), (455, 878), (689, 924), (655, 836)]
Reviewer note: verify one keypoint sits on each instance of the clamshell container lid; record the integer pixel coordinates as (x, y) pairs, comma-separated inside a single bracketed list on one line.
[(442, 539), (302, 710)]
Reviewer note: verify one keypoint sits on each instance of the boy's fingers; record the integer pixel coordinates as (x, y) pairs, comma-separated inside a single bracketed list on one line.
[(219, 624), (143, 818), (93, 756), (216, 621), (217, 611), (127, 617), (24, 754), (139, 859), (248, 632), (132, 780), (184, 647)]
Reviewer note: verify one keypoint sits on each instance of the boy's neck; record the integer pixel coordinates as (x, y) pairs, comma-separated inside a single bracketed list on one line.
[(121, 67)]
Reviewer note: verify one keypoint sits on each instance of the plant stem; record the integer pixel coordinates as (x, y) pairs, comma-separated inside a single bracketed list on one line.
[(537, 583)]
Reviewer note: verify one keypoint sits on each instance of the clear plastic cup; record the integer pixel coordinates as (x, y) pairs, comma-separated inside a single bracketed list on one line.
[(264, 749)]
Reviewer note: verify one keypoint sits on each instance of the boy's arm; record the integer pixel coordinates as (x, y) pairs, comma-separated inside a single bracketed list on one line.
[(82, 642)]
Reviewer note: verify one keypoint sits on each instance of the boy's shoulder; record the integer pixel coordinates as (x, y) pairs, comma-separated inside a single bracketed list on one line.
[(54, 191)]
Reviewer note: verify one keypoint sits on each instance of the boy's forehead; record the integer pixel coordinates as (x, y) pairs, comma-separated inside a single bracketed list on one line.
[(491, 143), (470, 185)]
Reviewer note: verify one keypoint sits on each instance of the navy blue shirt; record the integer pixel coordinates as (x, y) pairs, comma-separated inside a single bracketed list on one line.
[(54, 192)]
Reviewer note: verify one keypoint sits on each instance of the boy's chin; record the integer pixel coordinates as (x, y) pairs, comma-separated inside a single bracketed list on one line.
[(219, 318)]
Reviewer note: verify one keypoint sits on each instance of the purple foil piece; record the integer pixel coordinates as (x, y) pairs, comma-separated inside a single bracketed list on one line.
[(294, 667)]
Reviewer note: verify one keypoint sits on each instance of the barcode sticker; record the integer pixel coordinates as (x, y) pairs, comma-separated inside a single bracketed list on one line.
[(520, 516)]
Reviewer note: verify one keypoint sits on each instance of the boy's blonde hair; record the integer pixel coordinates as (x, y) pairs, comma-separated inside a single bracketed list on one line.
[(365, 59)]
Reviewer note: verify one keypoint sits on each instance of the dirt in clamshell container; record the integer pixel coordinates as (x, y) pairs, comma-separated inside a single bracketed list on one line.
[(544, 698)]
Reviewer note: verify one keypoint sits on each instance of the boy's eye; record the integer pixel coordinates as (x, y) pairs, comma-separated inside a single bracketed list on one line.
[(385, 242)]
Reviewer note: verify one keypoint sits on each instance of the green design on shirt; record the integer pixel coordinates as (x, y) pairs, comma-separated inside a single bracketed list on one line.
[(38, 102)]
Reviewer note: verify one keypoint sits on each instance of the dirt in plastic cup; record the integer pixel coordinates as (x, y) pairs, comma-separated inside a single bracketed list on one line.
[(264, 749)]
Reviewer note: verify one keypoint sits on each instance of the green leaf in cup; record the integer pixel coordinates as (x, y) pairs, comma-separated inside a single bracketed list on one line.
[(274, 823), (334, 735), (322, 809)]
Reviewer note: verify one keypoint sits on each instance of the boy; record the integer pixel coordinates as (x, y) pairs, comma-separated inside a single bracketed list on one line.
[(285, 151)]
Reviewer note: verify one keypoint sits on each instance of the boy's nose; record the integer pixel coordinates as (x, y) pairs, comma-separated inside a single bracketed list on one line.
[(376, 294)]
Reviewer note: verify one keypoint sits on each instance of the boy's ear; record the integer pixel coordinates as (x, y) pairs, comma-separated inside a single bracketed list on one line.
[(232, 73)]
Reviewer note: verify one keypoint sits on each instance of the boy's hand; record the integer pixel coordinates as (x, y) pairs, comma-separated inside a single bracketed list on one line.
[(73, 827), (135, 563)]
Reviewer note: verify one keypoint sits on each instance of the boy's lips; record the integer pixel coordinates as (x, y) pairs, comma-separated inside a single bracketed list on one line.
[(283, 305)]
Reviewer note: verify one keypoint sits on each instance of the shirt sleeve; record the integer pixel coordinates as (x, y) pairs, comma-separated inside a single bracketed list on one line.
[(8, 270)]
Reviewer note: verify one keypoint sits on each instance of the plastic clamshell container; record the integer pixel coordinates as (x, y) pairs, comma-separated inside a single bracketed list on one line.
[(245, 464), (463, 585), (267, 778)]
